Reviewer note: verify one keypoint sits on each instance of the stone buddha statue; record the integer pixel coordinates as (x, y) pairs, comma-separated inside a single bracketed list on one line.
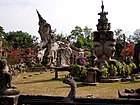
[(6, 87)]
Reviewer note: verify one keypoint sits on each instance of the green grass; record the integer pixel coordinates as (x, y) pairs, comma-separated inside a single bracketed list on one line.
[(42, 84)]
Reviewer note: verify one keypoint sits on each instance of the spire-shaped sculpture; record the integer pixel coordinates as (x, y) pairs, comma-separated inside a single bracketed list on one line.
[(103, 27), (102, 7), (44, 29), (39, 16), (103, 24), (104, 43)]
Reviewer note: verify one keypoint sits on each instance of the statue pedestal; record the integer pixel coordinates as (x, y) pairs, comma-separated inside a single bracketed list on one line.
[(9, 100), (91, 77), (56, 69), (123, 94)]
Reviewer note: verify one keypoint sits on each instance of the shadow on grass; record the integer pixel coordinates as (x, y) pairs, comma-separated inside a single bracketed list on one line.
[(40, 81), (78, 85), (129, 82)]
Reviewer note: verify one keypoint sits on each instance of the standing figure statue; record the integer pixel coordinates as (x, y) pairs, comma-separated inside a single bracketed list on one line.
[(48, 41), (45, 31)]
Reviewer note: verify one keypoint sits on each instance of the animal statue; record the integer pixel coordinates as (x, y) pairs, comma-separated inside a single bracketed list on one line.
[(72, 94), (6, 87)]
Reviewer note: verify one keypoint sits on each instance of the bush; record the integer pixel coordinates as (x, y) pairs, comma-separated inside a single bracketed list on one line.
[(105, 73), (78, 71), (121, 69)]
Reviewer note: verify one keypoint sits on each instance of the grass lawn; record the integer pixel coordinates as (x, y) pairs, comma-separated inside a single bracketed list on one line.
[(37, 83)]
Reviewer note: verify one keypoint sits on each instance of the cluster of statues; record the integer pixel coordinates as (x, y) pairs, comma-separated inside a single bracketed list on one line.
[(57, 52)]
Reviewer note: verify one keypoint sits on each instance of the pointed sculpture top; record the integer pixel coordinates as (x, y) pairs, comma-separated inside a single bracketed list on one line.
[(102, 7), (39, 16), (103, 27)]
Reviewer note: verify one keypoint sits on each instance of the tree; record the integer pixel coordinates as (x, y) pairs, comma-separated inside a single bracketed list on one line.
[(5, 43), (119, 34), (120, 42), (2, 30), (136, 37), (75, 33), (82, 38), (79, 43), (21, 40)]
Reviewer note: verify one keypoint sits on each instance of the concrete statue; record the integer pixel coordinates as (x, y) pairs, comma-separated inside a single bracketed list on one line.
[(104, 43)]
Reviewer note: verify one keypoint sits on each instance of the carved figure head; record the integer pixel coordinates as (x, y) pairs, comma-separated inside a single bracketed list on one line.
[(105, 51), (109, 48), (98, 49)]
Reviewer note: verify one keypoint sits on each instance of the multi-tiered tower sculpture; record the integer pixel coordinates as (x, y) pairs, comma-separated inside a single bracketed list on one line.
[(104, 43)]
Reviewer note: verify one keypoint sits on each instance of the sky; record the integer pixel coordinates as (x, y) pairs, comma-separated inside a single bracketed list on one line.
[(64, 15)]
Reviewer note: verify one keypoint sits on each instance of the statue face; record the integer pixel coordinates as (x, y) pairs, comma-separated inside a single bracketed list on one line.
[(109, 48), (98, 48), (105, 50)]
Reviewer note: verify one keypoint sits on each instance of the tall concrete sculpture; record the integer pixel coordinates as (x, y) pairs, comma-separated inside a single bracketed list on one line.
[(48, 41), (45, 31), (56, 51), (104, 43)]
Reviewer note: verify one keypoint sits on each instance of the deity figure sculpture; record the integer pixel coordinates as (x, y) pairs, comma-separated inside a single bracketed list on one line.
[(48, 41), (55, 50), (6, 87), (105, 51), (104, 43), (46, 33)]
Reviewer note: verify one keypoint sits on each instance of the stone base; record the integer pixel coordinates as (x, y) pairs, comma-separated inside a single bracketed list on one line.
[(55, 78), (123, 94), (9, 100), (110, 80), (90, 83), (138, 77), (126, 79)]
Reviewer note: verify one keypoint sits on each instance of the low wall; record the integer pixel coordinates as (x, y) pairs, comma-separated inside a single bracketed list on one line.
[(54, 100), (36, 69)]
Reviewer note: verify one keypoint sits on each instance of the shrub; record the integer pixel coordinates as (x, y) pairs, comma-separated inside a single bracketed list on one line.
[(105, 73), (120, 69), (78, 71), (112, 70)]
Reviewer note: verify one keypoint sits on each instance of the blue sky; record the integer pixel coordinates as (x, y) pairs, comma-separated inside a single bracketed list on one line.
[(64, 15)]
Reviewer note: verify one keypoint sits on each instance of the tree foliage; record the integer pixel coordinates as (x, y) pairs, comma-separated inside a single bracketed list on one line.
[(21, 40), (82, 38), (136, 37), (120, 42)]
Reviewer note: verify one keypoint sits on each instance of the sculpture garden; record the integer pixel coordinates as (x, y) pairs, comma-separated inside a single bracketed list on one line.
[(69, 74)]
